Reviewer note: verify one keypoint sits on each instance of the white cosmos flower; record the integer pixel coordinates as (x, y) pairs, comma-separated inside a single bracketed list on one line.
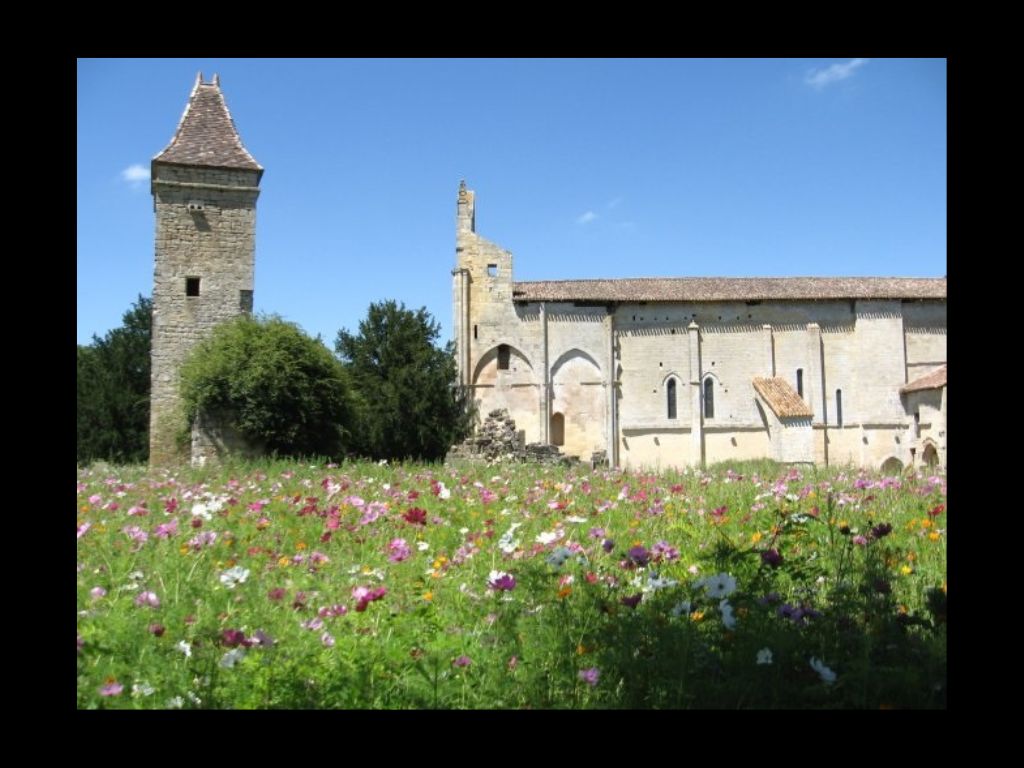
[(422, 546), (720, 585), (575, 519), (682, 609), (546, 537), (234, 576), (232, 657), (728, 620), (764, 656), (827, 675), (201, 510), (185, 648)]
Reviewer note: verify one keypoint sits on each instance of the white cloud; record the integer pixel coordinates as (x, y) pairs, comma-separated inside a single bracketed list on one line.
[(135, 174), (614, 202), (819, 78), (586, 218)]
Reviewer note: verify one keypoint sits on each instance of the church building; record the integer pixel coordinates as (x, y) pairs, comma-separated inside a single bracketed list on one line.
[(675, 372)]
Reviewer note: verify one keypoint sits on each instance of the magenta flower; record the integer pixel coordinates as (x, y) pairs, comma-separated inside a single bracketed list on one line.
[(95, 499), (327, 640), (112, 688), (596, 533), (365, 596), (500, 581), (97, 592), (157, 630), (590, 676), (277, 593), (233, 638), (147, 598), (462, 661), (399, 550), (662, 550), (135, 533), (860, 541), (83, 528), (416, 516)]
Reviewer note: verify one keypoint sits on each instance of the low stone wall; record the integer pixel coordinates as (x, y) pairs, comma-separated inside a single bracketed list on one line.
[(214, 438)]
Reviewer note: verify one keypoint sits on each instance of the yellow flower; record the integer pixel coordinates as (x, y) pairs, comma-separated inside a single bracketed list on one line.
[(300, 546), (906, 570), (428, 596), (696, 615), (934, 536), (183, 549), (85, 507), (926, 523), (581, 649), (283, 561), (637, 543), (755, 538)]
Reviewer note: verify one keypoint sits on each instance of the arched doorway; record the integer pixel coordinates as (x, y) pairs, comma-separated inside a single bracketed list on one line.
[(930, 457), (892, 466), (557, 429)]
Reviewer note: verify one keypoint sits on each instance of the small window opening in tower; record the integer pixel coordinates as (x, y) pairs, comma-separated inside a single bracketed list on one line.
[(474, 333), (492, 270), (839, 407), (672, 398), (503, 357), (191, 286), (800, 381)]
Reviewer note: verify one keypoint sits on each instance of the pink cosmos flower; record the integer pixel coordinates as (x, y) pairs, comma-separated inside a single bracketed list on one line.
[(147, 598), (399, 550), (416, 516), (95, 499), (83, 528), (112, 688), (462, 661), (166, 530), (590, 676), (327, 640), (138, 511), (97, 592), (500, 581)]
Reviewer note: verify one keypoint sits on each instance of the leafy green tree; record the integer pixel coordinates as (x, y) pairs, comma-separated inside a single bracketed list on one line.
[(113, 390), (274, 384), (413, 406)]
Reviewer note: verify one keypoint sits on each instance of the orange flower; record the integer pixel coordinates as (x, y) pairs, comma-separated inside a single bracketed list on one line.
[(564, 592), (934, 536), (300, 546)]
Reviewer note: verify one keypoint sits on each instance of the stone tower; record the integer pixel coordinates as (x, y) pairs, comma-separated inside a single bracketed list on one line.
[(204, 184)]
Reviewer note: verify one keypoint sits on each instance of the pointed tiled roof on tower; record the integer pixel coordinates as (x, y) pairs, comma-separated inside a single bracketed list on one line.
[(206, 134)]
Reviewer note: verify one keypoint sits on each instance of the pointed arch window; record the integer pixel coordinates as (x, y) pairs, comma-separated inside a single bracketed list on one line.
[(503, 357), (671, 390), (709, 398)]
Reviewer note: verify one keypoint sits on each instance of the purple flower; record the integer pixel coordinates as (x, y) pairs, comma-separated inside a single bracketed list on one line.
[(608, 545), (277, 593), (771, 557), (415, 516), (881, 530), (590, 676), (462, 661), (663, 550), (327, 640), (639, 556), (632, 602), (112, 688), (501, 581), (596, 533)]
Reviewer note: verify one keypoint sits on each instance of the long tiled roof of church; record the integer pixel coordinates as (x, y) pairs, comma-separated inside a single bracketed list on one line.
[(206, 134), (731, 289), (933, 380)]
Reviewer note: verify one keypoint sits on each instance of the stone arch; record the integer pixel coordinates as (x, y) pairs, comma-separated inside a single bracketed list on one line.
[(578, 396), (671, 375), (573, 354), (892, 466), (930, 457), (558, 428), (491, 356)]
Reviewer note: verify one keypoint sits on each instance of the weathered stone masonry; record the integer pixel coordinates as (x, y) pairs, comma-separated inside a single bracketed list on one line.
[(689, 371), (204, 185)]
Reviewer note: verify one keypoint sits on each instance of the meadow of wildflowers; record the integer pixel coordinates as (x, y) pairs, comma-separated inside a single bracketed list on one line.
[(371, 586)]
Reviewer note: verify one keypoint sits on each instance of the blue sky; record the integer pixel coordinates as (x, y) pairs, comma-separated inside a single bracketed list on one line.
[(582, 168)]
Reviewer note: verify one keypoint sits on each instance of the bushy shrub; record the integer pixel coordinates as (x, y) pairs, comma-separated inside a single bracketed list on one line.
[(274, 384)]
